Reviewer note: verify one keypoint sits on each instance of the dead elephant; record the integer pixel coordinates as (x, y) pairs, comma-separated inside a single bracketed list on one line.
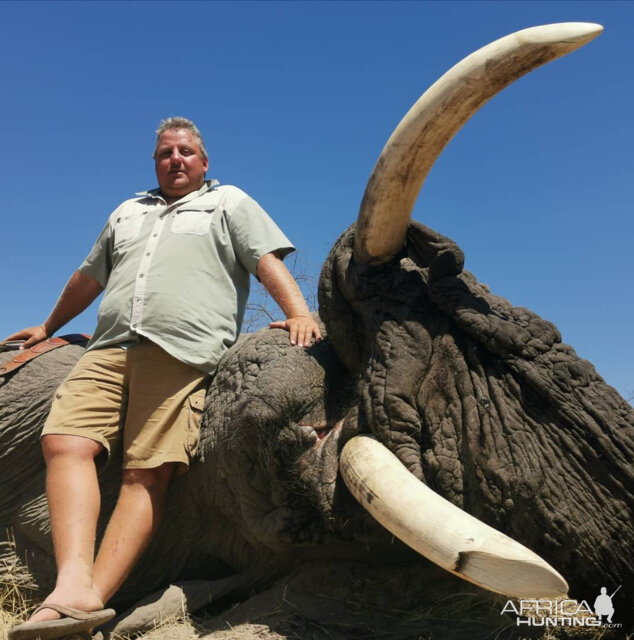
[(479, 401)]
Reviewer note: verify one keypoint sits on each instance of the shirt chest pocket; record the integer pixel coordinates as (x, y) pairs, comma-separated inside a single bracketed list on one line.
[(194, 221), (127, 228)]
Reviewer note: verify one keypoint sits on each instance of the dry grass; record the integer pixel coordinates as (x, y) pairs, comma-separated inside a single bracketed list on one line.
[(15, 603), (354, 609), (172, 628), (16, 599)]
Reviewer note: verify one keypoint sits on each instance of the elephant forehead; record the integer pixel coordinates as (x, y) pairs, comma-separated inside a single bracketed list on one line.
[(266, 435), (266, 364)]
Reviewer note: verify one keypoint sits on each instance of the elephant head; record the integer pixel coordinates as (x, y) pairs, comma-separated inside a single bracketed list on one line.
[(479, 401)]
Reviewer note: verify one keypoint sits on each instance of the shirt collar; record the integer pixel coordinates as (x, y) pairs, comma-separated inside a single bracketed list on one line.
[(208, 185)]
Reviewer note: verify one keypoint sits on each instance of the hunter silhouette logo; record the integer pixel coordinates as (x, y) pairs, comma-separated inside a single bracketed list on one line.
[(603, 604)]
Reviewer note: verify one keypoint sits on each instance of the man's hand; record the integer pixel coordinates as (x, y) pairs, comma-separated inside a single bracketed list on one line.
[(30, 335), (281, 285), (302, 329)]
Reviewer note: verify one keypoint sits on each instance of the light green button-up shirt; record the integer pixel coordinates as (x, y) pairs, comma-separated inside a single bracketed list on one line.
[(179, 274)]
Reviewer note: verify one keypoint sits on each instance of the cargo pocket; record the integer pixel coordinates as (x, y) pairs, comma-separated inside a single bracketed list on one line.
[(195, 406)]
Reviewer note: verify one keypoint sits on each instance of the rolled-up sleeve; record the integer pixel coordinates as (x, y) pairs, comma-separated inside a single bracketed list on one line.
[(254, 234), (98, 263)]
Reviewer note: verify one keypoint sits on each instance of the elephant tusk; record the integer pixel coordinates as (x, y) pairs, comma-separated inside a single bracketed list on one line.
[(440, 531), (436, 117)]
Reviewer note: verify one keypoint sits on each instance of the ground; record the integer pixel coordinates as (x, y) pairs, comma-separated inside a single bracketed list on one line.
[(346, 601)]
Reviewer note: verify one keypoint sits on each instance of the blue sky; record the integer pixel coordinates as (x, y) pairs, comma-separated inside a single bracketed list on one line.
[(295, 101)]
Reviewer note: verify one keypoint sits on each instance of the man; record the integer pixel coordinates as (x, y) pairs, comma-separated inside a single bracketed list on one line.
[(175, 265)]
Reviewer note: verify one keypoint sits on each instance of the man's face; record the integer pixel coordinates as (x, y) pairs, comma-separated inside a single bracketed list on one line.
[(180, 167)]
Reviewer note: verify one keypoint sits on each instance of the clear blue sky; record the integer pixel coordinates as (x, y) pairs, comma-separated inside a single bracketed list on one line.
[(295, 101)]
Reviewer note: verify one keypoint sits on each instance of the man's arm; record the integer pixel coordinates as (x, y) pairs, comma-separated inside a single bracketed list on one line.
[(277, 280), (78, 293)]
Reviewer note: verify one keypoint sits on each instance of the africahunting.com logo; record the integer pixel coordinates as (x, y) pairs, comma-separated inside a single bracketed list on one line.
[(564, 613)]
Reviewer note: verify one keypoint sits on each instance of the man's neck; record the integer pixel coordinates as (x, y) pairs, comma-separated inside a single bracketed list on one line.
[(169, 200)]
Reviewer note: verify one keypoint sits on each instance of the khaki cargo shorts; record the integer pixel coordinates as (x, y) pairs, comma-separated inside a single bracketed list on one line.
[(140, 395)]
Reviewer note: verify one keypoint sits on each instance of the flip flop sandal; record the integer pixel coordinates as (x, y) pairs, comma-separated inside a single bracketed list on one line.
[(73, 622)]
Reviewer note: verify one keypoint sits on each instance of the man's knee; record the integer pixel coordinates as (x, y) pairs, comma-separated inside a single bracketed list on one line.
[(68, 445), (154, 479)]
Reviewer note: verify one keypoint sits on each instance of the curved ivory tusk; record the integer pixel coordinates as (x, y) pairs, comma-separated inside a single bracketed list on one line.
[(439, 530), (436, 117)]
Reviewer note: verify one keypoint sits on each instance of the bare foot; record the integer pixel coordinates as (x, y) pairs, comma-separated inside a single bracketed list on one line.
[(85, 600)]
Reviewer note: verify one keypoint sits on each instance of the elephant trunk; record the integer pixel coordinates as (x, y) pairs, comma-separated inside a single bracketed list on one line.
[(436, 117)]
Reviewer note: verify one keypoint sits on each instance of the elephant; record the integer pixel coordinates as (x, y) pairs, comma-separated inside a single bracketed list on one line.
[(503, 433)]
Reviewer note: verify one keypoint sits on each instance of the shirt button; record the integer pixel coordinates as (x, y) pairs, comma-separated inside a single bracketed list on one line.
[(140, 275), (148, 253), (155, 235), (134, 326)]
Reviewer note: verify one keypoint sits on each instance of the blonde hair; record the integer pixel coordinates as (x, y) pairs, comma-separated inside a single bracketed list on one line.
[(177, 122)]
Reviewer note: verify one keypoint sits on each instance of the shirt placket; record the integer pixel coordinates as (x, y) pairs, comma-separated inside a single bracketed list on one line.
[(140, 284)]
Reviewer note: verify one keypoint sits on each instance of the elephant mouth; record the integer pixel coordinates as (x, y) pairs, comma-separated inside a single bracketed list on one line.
[(322, 430)]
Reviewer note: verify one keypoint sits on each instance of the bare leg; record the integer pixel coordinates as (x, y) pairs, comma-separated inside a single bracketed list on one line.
[(133, 523), (74, 500)]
